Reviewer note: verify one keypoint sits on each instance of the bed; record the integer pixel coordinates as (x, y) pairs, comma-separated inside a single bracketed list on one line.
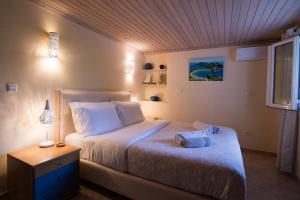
[(142, 161)]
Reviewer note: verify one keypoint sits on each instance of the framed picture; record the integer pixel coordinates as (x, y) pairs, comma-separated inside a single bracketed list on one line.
[(206, 69)]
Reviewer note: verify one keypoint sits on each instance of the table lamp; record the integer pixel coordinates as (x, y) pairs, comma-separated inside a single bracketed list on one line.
[(47, 118)]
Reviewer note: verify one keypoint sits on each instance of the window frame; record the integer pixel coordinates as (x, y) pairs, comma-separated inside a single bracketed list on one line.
[(295, 75)]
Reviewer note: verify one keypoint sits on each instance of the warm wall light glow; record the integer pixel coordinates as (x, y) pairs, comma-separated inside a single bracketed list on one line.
[(129, 78), (130, 64), (45, 63), (53, 45), (130, 57), (130, 68), (47, 52), (42, 51), (134, 98), (50, 64)]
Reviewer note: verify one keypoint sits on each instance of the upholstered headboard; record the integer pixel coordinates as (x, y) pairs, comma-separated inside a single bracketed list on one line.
[(64, 97)]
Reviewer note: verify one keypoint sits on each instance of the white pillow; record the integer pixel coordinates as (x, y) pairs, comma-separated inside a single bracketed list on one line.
[(129, 112), (94, 118)]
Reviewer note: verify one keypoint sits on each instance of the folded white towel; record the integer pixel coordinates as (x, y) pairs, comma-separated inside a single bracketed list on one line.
[(192, 139), (206, 128)]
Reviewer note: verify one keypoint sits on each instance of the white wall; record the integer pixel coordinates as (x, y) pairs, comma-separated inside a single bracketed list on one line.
[(87, 61), (237, 102)]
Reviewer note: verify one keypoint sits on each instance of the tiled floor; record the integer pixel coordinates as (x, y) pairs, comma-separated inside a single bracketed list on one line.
[(264, 182)]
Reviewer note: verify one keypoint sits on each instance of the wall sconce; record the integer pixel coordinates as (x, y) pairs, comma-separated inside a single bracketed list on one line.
[(130, 71), (131, 67), (53, 44)]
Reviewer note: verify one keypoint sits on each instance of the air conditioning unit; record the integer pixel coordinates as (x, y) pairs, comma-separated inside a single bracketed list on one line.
[(252, 53)]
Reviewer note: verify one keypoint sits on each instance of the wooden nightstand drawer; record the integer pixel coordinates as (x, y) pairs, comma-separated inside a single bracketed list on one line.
[(51, 165), (43, 173), (65, 178)]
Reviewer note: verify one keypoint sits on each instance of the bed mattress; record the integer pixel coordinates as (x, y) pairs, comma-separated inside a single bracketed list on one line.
[(148, 150)]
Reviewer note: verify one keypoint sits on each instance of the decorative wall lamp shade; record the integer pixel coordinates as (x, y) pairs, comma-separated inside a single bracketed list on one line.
[(53, 44), (47, 118), (131, 68)]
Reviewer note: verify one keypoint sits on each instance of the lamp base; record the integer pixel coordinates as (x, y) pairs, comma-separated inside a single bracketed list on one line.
[(60, 144), (46, 144)]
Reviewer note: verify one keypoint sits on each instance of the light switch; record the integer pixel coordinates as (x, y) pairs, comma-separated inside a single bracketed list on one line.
[(11, 87)]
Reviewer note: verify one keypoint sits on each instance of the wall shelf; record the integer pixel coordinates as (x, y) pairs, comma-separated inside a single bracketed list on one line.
[(155, 76), (147, 100), (154, 84), (154, 70)]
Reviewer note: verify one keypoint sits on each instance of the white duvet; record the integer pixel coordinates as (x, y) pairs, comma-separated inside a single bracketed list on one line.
[(148, 150), (110, 149)]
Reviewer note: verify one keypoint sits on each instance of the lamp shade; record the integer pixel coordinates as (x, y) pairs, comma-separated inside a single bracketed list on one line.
[(47, 117), (53, 44)]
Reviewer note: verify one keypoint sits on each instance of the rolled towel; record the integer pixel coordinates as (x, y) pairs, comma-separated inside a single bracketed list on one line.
[(206, 128), (193, 139)]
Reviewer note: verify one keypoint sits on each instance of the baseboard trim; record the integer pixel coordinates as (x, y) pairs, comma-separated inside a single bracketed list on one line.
[(259, 151)]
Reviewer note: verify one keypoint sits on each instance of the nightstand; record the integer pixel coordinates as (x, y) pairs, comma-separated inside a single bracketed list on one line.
[(43, 173)]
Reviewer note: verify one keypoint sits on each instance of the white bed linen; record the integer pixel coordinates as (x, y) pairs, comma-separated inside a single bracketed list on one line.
[(216, 171), (110, 149)]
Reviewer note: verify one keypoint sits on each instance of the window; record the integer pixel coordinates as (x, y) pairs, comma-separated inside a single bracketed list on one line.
[(283, 74)]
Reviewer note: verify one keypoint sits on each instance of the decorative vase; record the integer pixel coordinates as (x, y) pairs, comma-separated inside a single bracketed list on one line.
[(148, 66), (154, 98), (161, 66)]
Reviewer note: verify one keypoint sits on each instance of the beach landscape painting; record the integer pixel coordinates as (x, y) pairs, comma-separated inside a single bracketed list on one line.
[(206, 69)]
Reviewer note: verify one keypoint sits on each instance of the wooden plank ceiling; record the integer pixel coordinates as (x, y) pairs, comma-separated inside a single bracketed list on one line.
[(172, 25)]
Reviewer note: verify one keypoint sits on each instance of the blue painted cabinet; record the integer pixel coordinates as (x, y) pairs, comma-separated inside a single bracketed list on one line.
[(58, 184), (43, 174)]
